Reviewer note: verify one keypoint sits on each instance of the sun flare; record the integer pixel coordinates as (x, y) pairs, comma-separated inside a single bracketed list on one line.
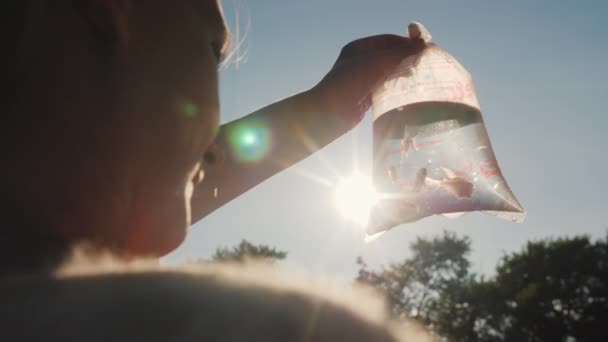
[(355, 196)]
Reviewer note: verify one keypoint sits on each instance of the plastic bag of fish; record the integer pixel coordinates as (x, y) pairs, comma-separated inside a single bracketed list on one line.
[(432, 153)]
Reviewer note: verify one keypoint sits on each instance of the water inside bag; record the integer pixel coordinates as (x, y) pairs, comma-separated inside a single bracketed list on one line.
[(431, 151)]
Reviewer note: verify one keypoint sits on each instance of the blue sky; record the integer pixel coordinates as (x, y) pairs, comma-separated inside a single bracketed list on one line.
[(542, 82)]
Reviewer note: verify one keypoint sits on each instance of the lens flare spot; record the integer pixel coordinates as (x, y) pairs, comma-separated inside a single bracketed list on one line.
[(354, 198), (188, 109), (250, 141)]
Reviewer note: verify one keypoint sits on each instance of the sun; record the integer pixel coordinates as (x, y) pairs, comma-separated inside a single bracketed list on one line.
[(354, 197)]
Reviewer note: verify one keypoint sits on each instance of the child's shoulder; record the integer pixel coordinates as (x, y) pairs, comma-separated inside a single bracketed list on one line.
[(209, 302)]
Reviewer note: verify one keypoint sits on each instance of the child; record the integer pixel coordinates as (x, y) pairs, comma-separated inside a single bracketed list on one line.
[(110, 108)]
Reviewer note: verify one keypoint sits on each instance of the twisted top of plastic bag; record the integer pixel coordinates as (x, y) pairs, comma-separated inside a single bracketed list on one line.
[(417, 30)]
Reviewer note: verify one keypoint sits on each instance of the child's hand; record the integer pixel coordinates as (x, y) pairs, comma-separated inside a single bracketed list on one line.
[(361, 66)]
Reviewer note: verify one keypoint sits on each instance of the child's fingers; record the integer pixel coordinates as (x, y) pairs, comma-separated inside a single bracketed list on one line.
[(362, 66), (377, 56), (373, 68), (387, 61), (375, 44)]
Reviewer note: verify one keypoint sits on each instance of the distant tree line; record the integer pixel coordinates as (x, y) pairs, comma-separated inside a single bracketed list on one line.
[(246, 251), (551, 290)]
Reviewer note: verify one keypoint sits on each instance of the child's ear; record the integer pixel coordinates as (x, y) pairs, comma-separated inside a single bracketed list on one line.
[(108, 19)]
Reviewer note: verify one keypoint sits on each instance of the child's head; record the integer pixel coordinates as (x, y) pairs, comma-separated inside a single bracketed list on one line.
[(112, 104)]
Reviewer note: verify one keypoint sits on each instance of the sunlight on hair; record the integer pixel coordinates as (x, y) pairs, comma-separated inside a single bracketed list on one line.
[(355, 196), (238, 50)]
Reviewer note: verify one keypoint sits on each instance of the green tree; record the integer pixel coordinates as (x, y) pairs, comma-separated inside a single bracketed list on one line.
[(429, 285), (247, 251), (552, 290)]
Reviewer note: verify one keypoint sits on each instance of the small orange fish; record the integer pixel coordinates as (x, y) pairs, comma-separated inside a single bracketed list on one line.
[(421, 177), (392, 173), (458, 186)]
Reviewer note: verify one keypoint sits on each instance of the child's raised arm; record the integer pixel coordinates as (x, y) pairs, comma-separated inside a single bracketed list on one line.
[(297, 126)]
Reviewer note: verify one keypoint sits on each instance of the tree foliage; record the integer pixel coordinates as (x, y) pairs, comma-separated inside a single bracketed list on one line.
[(247, 251), (552, 290)]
